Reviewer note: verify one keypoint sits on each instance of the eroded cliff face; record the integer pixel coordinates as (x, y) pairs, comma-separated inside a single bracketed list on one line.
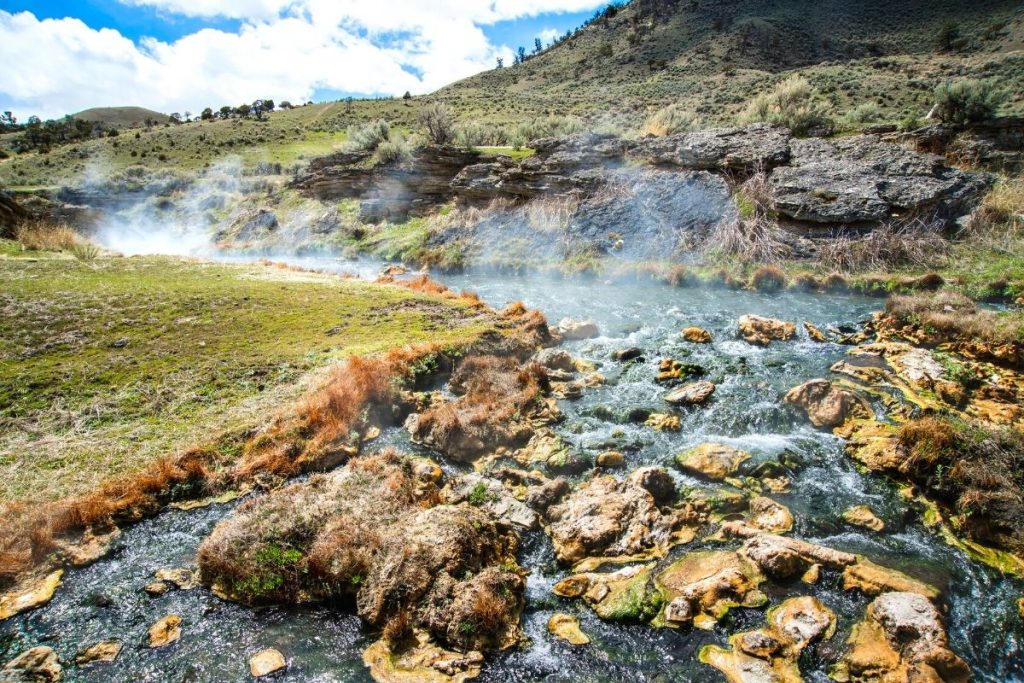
[(10, 214)]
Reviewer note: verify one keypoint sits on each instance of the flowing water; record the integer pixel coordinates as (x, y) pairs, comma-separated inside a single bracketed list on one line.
[(106, 601)]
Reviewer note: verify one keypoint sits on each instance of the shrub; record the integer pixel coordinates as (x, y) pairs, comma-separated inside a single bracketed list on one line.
[(752, 236), (670, 120), (393, 151), (44, 236), (795, 104), (369, 136), (439, 123), (967, 101), (862, 114), (85, 251), (893, 244)]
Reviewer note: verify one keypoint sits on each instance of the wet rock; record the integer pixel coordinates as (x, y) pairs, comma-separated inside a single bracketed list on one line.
[(542, 496), (671, 370), (165, 631), (703, 586), (772, 654), (421, 662), (38, 665), (697, 335), (573, 330), (694, 394), (266, 662), (546, 449), (30, 594), (623, 595), (901, 639), (814, 333), (873, 579), (770, 516), (625, 355), (664, 423), (611, 460), (567, 628), (862, 516), (572, 587), (827, 406), (182, 578), (492, 496), (781, 557), (712, 460), (555, 359), (761, 331), (156, 588), (100, 653), (89, 547), (812, 575), (605, 517), (657, 482)]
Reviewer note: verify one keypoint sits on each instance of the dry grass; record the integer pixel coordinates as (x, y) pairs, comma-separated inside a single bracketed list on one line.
[(670, 120), (914, 243), (999, 222), (976, 471), (950, 317), (768, 279), (752, 236), (46, 236)]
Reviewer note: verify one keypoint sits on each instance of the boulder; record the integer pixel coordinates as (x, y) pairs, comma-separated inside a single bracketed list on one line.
[(670, 370), (606, 517), (266, 662), (874, 579), (693, 394), (712, 460), (625, 355), (826, 405), (567, 627), (611, 460), (623, 595), (815, 333), (664, 423), (737, 149), (555, 359), (901, 638), (761, 331), (701, 587), (770, 516), (38, 665)]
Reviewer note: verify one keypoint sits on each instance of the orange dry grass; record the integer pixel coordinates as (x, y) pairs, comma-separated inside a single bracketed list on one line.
[(45, 236)]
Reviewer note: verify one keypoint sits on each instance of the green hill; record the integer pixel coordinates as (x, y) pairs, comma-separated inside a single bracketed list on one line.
[(122, 117)]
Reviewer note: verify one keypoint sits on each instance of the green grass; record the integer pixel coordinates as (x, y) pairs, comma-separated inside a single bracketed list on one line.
[(108, 364), (516, 154)]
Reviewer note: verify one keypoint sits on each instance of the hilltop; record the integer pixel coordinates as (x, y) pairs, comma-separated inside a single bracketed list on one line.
[(122, 117)]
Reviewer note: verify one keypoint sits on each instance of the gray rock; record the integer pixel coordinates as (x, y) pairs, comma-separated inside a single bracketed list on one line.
[(743, 149)]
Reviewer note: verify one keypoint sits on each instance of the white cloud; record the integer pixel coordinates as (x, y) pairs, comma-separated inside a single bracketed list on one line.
[(285, 49)]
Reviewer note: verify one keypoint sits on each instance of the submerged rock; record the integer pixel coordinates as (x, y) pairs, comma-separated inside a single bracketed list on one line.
[(712, 460), (761, 331), (901, 639), (38, 665), (100, 653), (862, 516), (165, 631), (567, 627), (671, 370), (873, 579), (266, 662), (694, 394), (32, 593), (827, 406), (814, 333), (422, 661)]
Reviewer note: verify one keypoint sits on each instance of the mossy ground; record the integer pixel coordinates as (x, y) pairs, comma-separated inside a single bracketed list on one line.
[(107, 364)]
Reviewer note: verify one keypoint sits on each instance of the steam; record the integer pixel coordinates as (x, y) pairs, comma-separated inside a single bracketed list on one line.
[(166, 214)]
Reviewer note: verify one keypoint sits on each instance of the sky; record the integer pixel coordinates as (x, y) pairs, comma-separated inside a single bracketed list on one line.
[(62, 56)]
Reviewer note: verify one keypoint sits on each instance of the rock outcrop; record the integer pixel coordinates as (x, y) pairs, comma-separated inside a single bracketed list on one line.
[(11, 213), (827, 406)]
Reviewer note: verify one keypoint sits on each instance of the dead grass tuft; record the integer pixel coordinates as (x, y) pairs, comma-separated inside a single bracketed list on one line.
[(915, 242), (947, 316), (46, 236), (768, 279), (752, 237)]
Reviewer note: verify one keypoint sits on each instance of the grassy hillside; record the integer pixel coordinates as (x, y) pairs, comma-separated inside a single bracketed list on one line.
[(110, 363), (122, 117), (712, 56), (709, 58)]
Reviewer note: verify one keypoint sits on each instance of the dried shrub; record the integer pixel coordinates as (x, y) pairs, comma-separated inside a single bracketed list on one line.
[(439, 123), (768, 279), (946, 316), (914, 242), (670, 120), (46, 236), (752, 237)]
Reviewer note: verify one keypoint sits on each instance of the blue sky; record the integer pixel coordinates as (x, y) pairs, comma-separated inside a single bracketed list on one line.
[(182, 55)]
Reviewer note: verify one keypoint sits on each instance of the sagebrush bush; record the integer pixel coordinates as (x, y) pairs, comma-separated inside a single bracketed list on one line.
[(393, 151), (439, 122), (368, 136), (670, 120), (861, 115), (795, 104), (968, 101)]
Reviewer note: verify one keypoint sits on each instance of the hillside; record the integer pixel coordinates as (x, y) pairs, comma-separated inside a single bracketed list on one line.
[(122, 117), (712, 56)]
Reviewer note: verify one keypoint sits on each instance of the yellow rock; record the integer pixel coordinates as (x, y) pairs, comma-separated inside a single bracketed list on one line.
[(426, 662), (266, 662), (873, 579), (100, 653), (814, 333), (663, 422), (567, 627), (712, 460), (165, 631), (862, 516), (770, 516), (30, 597), (697, 335)]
